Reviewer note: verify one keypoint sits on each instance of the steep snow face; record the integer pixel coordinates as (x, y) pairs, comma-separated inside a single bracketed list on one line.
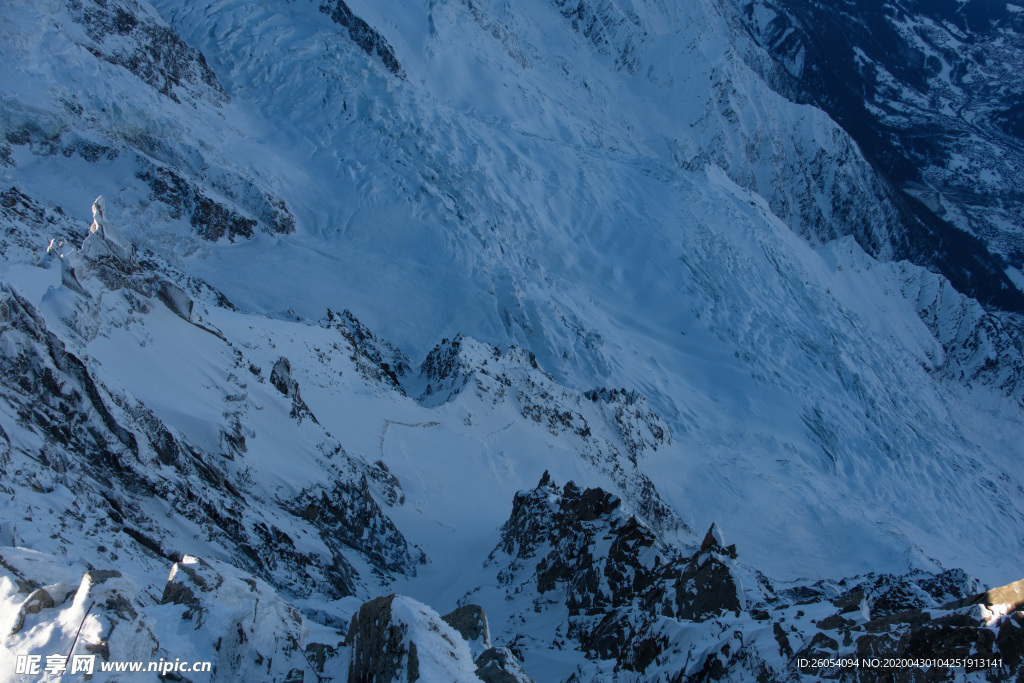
[(524, 177), (931, 93)]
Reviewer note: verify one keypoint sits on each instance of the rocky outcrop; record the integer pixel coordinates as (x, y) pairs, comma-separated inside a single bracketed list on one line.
[(25, 219), (241, 629), (375, 359), (214, 219), (499, 665), (613, 429), (176, 299), (395, 638), (650, 610), (125, 34), (708, 586), (471, 623), (282, 380), (362, 34), (493, 664), (115, 456), (613, 31), (253, 631), (53, 392), (907, 619), (616, 577), (639, 427), (377, 645), (242, 208), (347, 516)]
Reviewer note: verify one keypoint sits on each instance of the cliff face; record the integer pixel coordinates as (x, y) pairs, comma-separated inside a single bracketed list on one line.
[(929, 93)]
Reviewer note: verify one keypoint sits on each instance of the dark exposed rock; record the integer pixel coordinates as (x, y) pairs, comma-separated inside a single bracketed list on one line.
[(376, 359), (122, 34), (616, 577), (185, 581), (821, 646), (123, 444), (619, 599), (389, 637), (25, 219), (708, 585), (912, 617), (90, 151), (471, 623), (281, 378), (38, 601), (362, 34), (951, 584), (888, 594), (835, 621), (444, 369), (347, 516), (499, 665), (639, 427), (611, 30), (1010, 641), (212, 219), (61, 398)]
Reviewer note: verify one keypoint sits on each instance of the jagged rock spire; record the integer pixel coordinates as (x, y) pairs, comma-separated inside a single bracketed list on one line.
[(98, 222)]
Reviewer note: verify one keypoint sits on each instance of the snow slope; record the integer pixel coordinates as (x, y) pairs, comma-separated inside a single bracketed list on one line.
[(519, 209)]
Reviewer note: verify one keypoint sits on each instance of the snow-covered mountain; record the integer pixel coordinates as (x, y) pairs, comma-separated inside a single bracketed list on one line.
[(931, 93), (363, 274)]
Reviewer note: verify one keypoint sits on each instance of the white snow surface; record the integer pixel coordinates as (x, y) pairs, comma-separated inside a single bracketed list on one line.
[(514, 186)]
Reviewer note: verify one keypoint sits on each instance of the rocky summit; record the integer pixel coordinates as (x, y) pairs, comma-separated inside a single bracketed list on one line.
[(552, 341)]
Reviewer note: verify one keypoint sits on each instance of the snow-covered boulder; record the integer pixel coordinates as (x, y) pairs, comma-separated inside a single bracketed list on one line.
[(396, 638), (499, 665)]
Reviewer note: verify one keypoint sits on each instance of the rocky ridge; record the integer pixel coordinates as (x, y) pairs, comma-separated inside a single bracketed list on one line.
[(659, 613)]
